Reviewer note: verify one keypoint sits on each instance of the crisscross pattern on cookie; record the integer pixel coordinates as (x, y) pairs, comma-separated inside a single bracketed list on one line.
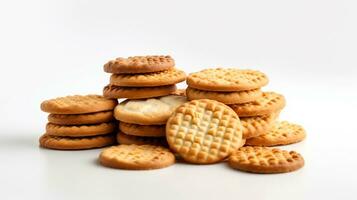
[(255, 126)]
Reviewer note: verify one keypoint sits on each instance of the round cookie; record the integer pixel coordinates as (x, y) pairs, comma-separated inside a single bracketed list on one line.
[(265, 160), (224, 97), (78, 104), (136, 157), (118, 92), (139, 64), (282, 133), (168, 77), (80, 130), (142, 130), (227, 79), (259, 125), (204, 131), (70, 143), (123, 138), (78, 119)]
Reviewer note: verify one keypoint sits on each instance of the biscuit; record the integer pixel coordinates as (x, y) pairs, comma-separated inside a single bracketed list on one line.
[(181, 92), (228, 79), (78, 119), (139, 64), (268, 103), (118, 92), (80, 130), (224, 97), (123, 138), (265, 160), (78, 104), (153, 111), (204, 131), (259, 125), (142, 130), (70, 143), (136, 157), (168, 77), (282, 133)]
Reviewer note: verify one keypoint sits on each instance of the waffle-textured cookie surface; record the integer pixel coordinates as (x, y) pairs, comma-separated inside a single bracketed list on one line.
[(123, 138), (204, 131), (265, 160), (78, 119), (142, 130), (139, 64), (136, 157), (78, 104), (118, 92), (259, 125), (227, 79), (80, 130)]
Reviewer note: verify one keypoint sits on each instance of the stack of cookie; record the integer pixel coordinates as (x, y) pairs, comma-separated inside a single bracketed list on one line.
[(79, 122)]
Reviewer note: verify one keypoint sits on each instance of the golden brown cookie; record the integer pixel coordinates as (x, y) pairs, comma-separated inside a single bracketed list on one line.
[(78, 119), (153, 111), (139, 64), (136, 157), (78, 104), (118, 92), (204, 131), (80, 130), (123, 138), (224, 97), (259, 125), (168, 77), (70, 143), (143, 130), (268, 103), (228, 79), (181, 92), (265, 160), (282, 133)]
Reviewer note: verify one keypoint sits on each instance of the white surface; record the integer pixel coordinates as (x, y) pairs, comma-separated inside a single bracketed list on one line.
[(56, 48)]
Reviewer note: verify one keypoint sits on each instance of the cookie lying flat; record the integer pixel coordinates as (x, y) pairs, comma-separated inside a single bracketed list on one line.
[(139, 64), (154, 111), (118, 92), (70, 143), (168, 77), (78, 119), (265, 160), (78, 104), (268, 103), (204, 131), (282, 133), (123, 138), (224, 97), (80, 130), (142, 130), (227, 79), (136, 157), (259, 125)]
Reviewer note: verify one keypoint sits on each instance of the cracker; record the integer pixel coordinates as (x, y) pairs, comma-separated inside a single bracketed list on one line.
[(118, 92), (78, 119), (259, 125), (227, 79), (139, 64), (70, 143), (80, 130), (168, 77), (153, 111), (268, 103), (204, 131), (78, 104), (282, 133), (265, 160), (142, 130), (224, 97), (123, 138)]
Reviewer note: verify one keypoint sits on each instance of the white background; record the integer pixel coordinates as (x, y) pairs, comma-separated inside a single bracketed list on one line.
[(56, 48)]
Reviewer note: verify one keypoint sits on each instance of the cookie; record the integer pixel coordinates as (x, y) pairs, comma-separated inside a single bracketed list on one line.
[(227, 79), (78, 119), (265, 160), (136, 157), (142, 130), (259, 125), (224, 97), (118, 92), (139, 64), (204, 131), (268, 103), (168, 77), (70, 143), (78, 104), (123, 138), (282, 133), (80, 130), (153, 111), (181, 92)]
